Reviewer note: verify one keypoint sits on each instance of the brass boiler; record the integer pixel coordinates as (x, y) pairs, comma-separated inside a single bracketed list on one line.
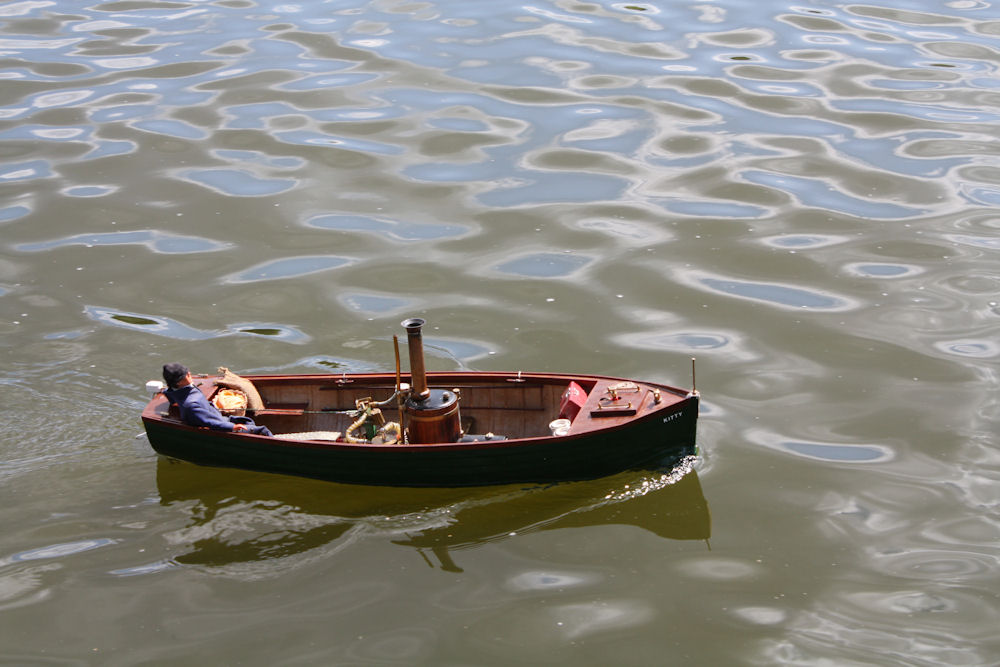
[(431, 414)]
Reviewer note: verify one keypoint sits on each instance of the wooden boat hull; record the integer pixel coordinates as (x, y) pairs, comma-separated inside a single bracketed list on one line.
[(658, 425)]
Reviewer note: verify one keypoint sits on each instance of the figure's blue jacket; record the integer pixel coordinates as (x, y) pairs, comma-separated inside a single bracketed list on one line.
[(196, 410)]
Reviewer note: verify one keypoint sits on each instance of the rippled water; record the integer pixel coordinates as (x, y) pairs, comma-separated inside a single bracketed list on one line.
[(802, 196)]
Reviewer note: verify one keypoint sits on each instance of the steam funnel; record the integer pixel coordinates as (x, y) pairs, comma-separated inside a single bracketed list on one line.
[(415, 342)]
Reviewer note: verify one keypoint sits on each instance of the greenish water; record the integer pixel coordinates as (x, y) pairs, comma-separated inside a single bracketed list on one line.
[(801, 196)]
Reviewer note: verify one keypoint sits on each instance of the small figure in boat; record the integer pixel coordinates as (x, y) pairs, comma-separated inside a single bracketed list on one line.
[(195, 408)]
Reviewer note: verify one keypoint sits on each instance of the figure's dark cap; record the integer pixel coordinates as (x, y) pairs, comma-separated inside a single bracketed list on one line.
[(174, 373)]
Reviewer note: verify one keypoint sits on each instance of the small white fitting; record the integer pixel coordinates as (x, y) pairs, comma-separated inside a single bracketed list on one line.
[(559, 427)]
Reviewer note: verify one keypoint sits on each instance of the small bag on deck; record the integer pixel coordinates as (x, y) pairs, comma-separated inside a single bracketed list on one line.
[(231, 380)]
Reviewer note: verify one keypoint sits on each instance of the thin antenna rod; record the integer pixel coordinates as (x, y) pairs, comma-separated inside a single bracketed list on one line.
[(694, 383), (395, 345), (399, 399)]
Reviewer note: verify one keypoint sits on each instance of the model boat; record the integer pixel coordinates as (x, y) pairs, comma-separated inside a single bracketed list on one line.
[(458, 428)]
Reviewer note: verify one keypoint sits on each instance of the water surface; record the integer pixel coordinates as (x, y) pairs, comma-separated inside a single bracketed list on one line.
[(803, 196)]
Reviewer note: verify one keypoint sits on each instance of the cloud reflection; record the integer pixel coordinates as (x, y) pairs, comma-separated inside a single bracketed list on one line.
[(159, 242), (238, 182), (834, 452), (544, 265), (288, 267), (375, 304), (399, 230), (775, 294)]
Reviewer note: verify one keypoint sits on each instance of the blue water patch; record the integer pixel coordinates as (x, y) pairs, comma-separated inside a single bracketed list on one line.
[(802, 241), (61, 550), (714, 209), (460, 350), (948, 114), (359, 113), (984, 82), (839, 453), (905, 84), (171, 128), (110, 148), (987, 196), (821, 194), (790, 88), (539, 187), (687, 342), (624, 143), (255, 116), (452, 172), (692, 341), (25, 171), (60, 98), (89, 190), (544, 265), (160, 242), (458, 124), (238, 182), (9, 213), (35, 132), (325, 81), (289, 267), (780, 295), (123, 112), (989, 242), (373, 303), (309, 138), (631, 231), (149, 568), (394, 229), (684, 161), (730, 118), (980, 349), (126, 62), (883, 270), (257, 157), (889, 158)]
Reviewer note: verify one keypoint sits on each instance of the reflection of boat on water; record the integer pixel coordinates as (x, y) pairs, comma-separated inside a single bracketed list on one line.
[(240, 517), (669, 504)]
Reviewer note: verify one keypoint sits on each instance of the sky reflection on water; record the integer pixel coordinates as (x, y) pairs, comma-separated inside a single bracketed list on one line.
[(155, 240)]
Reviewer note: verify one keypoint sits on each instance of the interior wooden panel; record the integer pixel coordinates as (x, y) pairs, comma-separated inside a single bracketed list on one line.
[(512, 409)]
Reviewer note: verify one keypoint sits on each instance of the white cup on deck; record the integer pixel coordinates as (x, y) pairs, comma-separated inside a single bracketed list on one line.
[(559, 427)]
